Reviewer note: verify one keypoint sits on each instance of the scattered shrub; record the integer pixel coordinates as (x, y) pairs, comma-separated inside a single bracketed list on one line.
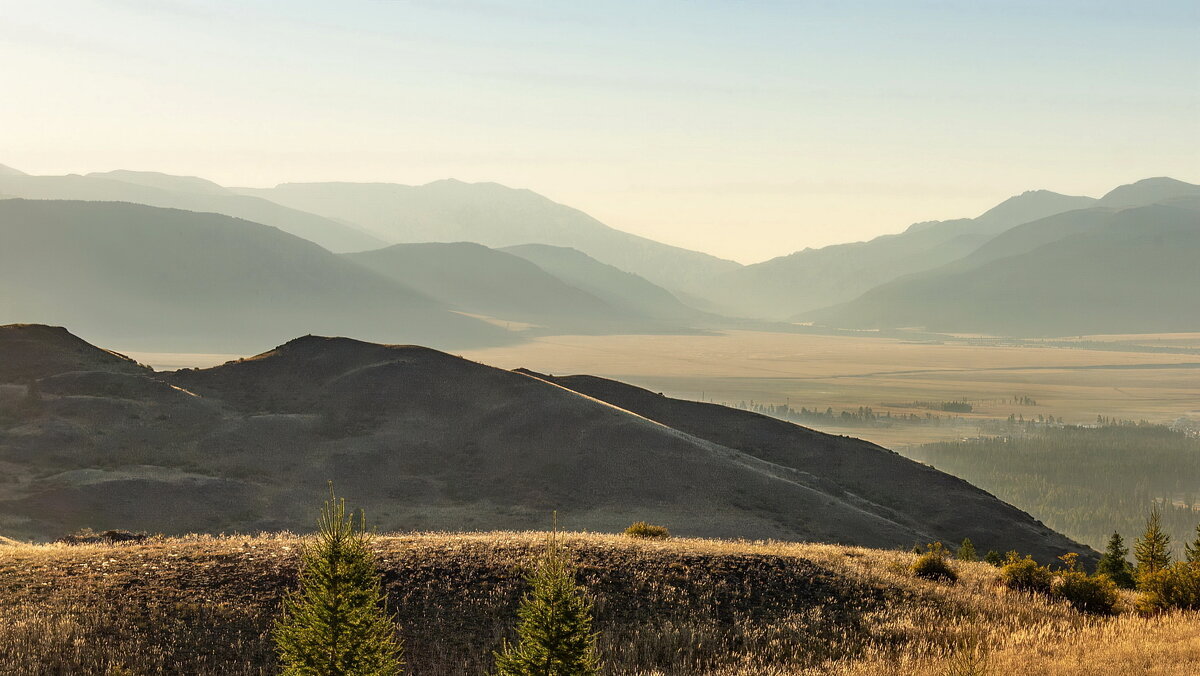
[(647, 531), (994, 557), (1086, 593), (933, 566), (1174, 587), (1026, 575)]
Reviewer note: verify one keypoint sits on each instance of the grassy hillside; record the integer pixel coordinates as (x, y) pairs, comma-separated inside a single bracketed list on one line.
[(434, 441), (205, 605)]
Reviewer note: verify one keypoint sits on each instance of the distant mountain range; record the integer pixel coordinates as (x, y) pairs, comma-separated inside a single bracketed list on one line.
[(496, 216), (425, 440), (169, 280), (192, 194), (1085, 272), (538, 267)]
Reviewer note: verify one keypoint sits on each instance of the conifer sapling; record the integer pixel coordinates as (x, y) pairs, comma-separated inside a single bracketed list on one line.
[(336, 623), (554, 630)]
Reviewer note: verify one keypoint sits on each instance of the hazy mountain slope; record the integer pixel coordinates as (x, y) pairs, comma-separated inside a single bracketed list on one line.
[(814, 278), (9, 171), (1133, 271), (476, 279), (496, 216), (163, 279), (431, 441), (609, 283), (192, 194)]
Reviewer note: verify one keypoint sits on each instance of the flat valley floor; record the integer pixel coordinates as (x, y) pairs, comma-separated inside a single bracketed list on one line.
[(1132, 377)]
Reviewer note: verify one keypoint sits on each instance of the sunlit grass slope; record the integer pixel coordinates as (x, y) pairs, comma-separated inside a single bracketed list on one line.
[(205, 605)]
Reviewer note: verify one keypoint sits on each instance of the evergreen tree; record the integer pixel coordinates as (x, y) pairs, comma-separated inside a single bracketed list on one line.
[(1153, 549), (336, 623), (1191, 550), (994, 557), (1114, 563), (966, 551), (554, 631)]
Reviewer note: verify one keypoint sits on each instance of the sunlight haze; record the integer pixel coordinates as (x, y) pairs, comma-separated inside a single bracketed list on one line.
[(745, 130)]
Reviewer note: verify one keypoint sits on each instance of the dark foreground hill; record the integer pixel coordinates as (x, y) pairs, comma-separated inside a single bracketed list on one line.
[(427, 440), (681, 607), (163, 279)]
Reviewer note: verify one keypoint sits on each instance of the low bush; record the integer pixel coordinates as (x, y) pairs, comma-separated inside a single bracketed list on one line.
[(1176, 587), (1086, 593), (1026, 575), (647, 531), (933, 566)]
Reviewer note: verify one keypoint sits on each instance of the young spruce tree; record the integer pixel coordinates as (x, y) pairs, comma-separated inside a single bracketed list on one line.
[(1115, 564), (336, 623), (554, 629), (1191, 550), (966, 551), (1153, 549)]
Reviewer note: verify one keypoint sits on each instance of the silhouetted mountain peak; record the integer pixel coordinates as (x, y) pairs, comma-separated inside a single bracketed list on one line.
[(155, 179), (1149, 191), (9, 171), (1032, 205)]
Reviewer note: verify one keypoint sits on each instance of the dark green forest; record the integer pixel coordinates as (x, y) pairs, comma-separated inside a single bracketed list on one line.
[(1085, 482)]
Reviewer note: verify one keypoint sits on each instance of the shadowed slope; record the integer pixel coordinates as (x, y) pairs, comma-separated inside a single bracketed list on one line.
[(611, 284), (434, 441), (164, 279), (476, 279), (905, 492)]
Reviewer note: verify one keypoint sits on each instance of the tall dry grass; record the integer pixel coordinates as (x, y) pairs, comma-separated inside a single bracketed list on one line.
[(205, 605)]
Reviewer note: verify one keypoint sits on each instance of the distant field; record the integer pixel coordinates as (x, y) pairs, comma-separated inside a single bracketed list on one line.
[(842, 372)]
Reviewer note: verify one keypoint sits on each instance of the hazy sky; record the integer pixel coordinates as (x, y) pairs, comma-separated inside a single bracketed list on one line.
[(745, 129)]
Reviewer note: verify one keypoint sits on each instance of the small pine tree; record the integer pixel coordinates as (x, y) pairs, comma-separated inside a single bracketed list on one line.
[(1153, 549), (1115, 564), (1191, 550), (994, 557), (554, 632), (966, 551), (336, 623)]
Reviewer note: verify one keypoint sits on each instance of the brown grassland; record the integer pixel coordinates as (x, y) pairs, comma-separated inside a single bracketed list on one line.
[(205, 604)]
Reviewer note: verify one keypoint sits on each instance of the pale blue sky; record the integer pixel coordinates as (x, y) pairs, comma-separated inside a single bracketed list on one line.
[(746, 129)]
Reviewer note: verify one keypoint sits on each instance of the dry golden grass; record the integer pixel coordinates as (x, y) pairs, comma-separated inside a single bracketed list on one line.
[(681, 606)]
